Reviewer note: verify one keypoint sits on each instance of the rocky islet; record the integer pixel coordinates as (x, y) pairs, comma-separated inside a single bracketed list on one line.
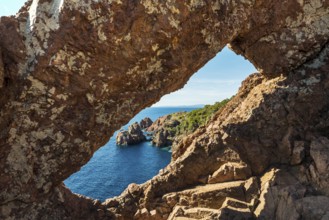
[(146, 130), (157, 132), (134, 135)]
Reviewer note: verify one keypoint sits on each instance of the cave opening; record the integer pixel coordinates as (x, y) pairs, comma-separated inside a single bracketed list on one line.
[(112, 168)]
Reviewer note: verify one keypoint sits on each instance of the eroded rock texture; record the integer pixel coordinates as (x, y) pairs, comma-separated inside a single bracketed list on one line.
[(72, 72), (134, 135)]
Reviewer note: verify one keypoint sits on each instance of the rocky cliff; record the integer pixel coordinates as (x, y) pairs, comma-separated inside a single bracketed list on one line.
[(73, 72), (168, 130)]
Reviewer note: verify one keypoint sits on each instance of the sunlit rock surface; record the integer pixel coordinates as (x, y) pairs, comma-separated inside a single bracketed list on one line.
[(145, 123), (134, 135), (73, 72)]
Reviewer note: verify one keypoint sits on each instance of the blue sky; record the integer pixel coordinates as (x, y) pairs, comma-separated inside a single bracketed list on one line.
[(220, 78), (10, 7)]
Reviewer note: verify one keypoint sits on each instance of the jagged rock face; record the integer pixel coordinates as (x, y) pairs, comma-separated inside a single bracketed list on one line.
[(281, 39), (161, 122), (160, 129), (145, 123), (134, 135), (161, 138), (73, 72)]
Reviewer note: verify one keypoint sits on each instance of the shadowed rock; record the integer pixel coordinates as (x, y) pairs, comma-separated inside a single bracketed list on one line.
[(161, 138), (162, 135), (145, 123)]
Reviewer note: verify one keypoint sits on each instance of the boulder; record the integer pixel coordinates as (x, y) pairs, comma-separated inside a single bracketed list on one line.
[(145, 123), (162, 138), (134, 135), (229, 172), (122, 138)]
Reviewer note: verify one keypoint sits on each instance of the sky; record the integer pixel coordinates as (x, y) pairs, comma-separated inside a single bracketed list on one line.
[(220, 78), (10, 7)]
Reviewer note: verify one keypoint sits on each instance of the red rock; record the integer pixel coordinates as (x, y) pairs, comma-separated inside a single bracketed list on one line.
[(145, 123)]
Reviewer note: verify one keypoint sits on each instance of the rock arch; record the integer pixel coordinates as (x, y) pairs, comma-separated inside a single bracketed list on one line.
[(69, 69)]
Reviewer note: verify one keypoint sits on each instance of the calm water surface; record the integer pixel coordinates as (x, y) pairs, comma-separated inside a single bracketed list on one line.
[(113, 168)]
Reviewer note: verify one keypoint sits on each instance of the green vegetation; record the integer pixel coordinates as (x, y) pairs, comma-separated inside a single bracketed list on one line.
[(173, 127), (190, 121)]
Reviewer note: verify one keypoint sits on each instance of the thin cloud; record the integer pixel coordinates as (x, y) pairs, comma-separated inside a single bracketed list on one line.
[(215, 81)]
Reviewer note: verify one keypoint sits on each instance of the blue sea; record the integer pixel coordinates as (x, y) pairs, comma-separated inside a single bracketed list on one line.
[(112, 168)]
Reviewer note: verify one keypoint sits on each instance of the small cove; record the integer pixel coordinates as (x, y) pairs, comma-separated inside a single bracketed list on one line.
[(113, 168)]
